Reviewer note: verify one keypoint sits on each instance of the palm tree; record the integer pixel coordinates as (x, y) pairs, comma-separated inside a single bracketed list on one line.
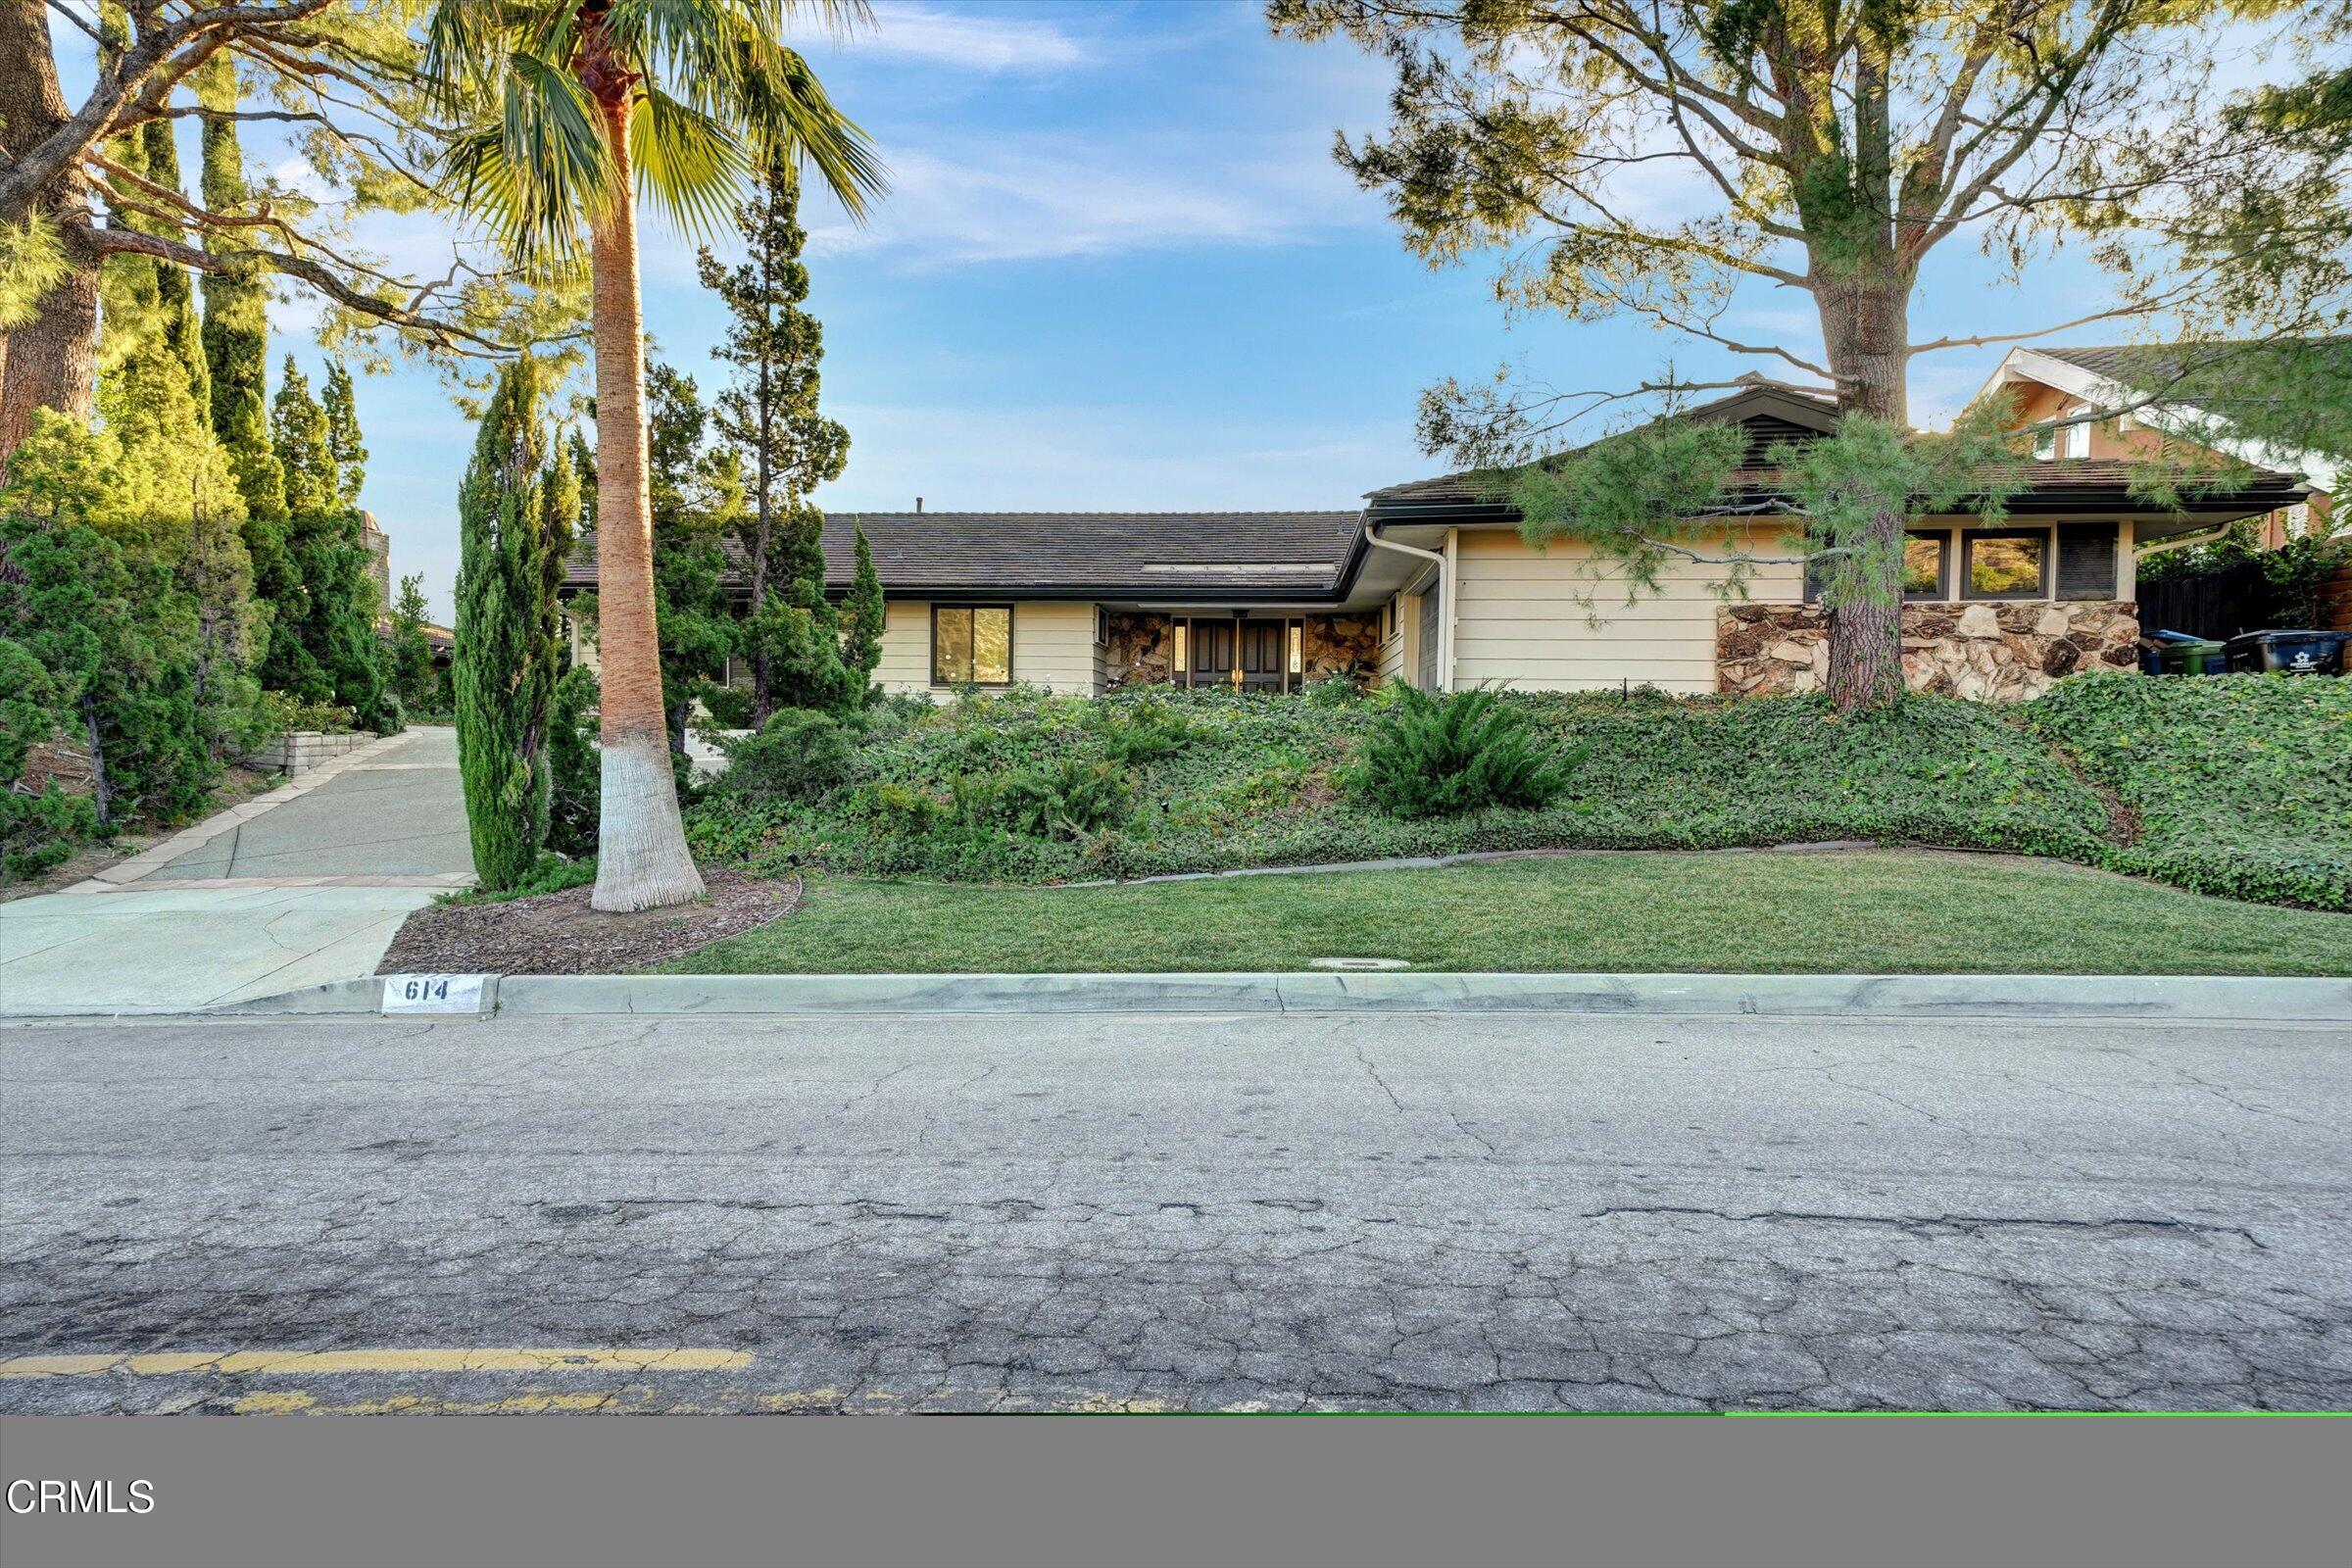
[(570, 108)]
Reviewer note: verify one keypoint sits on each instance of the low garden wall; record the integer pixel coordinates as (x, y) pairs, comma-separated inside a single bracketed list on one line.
[(1990, 652), (300, 751)]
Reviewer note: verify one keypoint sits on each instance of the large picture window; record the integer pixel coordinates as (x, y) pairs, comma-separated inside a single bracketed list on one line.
[(971, 644), (1923, 566), (2005, 565)]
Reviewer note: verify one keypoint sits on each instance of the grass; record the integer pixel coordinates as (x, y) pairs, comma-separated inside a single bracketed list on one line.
[(1883, 911)]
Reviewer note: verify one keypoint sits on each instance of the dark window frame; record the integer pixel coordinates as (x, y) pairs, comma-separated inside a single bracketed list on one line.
[(1010, 666), (1941, 539), (2046, 538)]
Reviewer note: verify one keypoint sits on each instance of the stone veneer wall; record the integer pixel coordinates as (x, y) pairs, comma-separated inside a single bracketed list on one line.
[(1143, 648), (1994, 652), (1340, 645)]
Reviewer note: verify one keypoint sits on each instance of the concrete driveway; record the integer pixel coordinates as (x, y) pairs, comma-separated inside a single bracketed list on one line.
[(301, 886)]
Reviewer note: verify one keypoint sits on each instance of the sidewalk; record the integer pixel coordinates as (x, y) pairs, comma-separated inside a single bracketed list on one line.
[(300, 887)]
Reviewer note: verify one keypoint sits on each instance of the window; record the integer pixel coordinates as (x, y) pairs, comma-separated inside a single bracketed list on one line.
[(2045, 445), (1181, 669), (971, 644), (2005, 565), (1297, 667), (2075, 440), (1923, 566)]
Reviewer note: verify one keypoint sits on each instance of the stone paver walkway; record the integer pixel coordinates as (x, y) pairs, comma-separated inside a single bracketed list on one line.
[(301, 886)]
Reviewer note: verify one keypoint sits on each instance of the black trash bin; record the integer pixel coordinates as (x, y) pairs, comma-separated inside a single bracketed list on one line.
[(2288, 653)]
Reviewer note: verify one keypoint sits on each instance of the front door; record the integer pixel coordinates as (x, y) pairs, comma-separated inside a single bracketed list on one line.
[(1266, 647), (1212, 653)]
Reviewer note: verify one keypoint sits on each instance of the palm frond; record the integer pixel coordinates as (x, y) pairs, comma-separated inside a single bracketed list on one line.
[(538, 170), (688, 164), (725, 59)]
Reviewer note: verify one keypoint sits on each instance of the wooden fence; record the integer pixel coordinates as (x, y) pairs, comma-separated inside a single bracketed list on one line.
[(2335, 600), (2213, 604)]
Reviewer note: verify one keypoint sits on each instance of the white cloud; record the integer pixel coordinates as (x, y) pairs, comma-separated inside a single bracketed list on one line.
[(967, 40), (984, 458), (1069, 196)]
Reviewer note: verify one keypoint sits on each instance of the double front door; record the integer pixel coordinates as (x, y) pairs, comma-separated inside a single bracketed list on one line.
[(1258, 649)]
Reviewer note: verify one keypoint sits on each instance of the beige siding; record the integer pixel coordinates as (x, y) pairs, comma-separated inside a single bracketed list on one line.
[(584, 652), (1520, 619), (1052, 644), (1391, 647), (906, 665)]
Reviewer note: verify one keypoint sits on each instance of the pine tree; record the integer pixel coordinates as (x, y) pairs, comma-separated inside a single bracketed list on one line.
[(768, 413), (861, 618), (514, 513), (697, 496), (343, 435), (236, 335)]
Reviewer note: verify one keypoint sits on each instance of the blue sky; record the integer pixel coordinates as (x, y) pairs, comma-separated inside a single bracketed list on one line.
[(1118, 269)]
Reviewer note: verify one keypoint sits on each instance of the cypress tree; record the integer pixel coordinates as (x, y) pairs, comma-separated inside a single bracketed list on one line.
[(343, 435), (862, 620), (515, 511), (697, 496), (176, 298), (236, 337), (298, 431), (412, 672), (323, 643)]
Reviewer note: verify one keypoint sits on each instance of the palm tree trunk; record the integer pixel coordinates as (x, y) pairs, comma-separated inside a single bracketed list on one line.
[(642, 861)]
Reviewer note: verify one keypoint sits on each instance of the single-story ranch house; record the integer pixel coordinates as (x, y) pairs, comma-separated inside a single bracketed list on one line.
[(1430, 582)]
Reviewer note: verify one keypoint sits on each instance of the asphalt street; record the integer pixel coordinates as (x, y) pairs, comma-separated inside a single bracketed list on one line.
[(1172, 1212)]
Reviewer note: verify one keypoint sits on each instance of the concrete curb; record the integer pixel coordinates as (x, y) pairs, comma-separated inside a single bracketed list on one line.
[(2148, 998)]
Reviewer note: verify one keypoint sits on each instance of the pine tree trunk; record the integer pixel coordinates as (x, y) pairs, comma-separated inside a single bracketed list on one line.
[(1865, 328), (101, 789), (51, 361), (642, 859)]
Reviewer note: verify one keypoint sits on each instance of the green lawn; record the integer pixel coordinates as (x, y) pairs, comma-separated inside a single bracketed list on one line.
[(1881, 911)]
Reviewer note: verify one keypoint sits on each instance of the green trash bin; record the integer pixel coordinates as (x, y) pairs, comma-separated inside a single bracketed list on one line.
[(2196, 659)]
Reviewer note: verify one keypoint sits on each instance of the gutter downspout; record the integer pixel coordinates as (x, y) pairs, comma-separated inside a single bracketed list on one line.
[(2179, 541), (1373, 538)]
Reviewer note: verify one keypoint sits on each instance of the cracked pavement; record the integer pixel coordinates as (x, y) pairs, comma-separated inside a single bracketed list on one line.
[(1186, 1212)]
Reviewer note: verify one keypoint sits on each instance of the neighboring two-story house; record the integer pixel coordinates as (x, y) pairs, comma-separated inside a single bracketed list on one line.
[(2057, 384)]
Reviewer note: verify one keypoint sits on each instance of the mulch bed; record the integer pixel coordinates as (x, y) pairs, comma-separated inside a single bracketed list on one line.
[(557, 933)]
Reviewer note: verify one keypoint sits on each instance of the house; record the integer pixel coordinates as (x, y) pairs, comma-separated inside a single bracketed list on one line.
[(2055, 383), (1430, 582)]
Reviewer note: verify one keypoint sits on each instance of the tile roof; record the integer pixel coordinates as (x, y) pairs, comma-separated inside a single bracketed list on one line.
[(1158, 555)]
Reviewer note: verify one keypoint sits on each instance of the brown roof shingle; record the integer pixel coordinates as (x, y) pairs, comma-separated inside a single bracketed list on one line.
[(1158, 555)]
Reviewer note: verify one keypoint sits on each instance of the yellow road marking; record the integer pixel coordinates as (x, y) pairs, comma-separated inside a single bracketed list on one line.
[(629, 1399), (297, 1363)]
